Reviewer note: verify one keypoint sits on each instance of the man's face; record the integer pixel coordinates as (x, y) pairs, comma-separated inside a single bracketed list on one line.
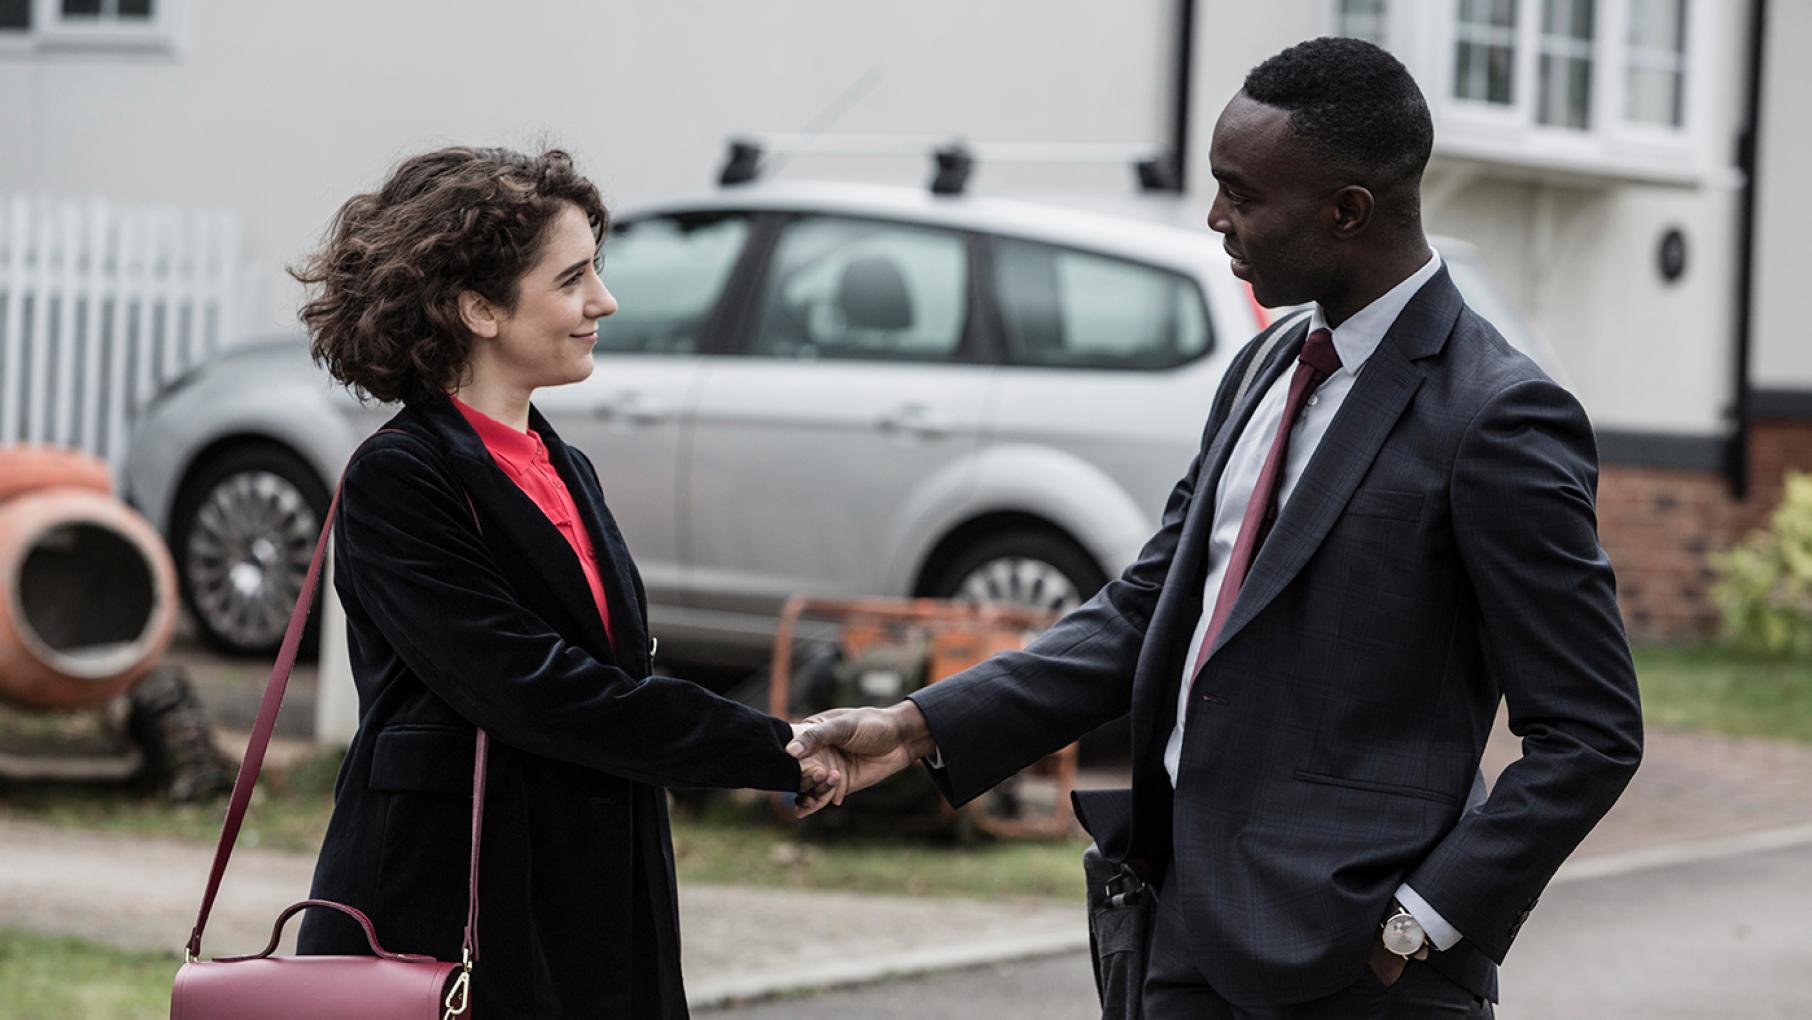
[(1275, 204)]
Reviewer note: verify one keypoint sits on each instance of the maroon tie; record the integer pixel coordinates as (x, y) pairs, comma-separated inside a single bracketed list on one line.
[(1315, 364)]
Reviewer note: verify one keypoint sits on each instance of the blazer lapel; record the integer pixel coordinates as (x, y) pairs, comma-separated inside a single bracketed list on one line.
[(524, 526), (607, 544), (1378, 397)]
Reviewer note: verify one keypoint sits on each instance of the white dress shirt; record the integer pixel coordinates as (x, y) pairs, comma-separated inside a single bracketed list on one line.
[(1354, 340)]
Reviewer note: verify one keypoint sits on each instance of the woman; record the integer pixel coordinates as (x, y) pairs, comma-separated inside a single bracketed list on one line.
[(485, 584)]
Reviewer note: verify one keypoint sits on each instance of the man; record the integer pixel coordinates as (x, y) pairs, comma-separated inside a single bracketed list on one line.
[(1392, 528)]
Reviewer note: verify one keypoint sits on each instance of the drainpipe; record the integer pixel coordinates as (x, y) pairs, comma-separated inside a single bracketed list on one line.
[(1179, 106), (1736, 459)]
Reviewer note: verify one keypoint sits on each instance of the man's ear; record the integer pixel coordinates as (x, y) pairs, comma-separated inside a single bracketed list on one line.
[(479, 315), (1353, 208)]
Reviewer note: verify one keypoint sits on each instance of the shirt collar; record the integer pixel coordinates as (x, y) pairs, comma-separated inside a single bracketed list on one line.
[(498, 438), (1359, 336)]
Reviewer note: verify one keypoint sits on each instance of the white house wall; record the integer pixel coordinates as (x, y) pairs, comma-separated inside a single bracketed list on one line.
[(283, 110)]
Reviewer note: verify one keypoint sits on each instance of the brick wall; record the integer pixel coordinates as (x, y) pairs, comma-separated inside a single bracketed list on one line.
[(1660, 526)]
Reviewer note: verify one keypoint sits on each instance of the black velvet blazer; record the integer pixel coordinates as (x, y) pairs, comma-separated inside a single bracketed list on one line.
[(453, 625)]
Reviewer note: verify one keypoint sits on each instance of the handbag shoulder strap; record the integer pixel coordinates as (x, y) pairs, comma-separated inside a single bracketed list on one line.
[(261, 737)]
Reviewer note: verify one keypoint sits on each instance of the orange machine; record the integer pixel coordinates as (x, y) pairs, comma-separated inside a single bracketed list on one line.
[(886, 648)]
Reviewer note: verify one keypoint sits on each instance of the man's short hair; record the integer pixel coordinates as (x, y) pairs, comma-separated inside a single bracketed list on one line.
[(1356, 101)]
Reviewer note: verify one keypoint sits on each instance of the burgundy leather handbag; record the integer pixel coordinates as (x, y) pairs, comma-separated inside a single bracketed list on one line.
[(260, 986)]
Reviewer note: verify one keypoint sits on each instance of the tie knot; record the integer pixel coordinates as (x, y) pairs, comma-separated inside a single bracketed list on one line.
[(1318, 353)]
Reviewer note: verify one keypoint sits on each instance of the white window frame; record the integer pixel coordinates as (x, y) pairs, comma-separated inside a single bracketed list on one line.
[(51, 29), (1424, 35)]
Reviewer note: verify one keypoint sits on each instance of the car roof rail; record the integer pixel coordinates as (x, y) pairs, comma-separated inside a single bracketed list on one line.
[(953, 159)]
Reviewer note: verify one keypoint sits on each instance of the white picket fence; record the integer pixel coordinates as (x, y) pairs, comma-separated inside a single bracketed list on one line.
[(101, 305)]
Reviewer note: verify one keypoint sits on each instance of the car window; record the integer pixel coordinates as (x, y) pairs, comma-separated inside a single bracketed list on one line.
[(839, 288), (1068, 308), (667, 273)]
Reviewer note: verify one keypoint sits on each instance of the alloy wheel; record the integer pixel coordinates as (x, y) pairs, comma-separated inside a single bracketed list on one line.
[(247, 555)]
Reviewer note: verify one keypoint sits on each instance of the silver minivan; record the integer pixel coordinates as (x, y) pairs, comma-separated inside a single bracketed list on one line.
[(828, 388)]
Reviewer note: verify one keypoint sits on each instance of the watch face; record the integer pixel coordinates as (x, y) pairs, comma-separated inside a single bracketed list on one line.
[(1403, 935)]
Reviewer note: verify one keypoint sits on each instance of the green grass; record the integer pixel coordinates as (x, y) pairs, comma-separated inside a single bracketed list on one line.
[(744, 845), (738, 840), (52, 978), (288, 812), (1712, 688)]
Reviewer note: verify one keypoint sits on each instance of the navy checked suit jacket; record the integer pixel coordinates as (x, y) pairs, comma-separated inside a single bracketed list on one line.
[(1439, 552)]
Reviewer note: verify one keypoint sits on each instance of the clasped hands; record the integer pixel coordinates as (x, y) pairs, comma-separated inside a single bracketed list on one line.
[(845, 750)]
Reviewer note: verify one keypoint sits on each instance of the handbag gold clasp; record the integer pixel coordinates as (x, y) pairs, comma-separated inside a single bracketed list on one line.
[(461, 991)]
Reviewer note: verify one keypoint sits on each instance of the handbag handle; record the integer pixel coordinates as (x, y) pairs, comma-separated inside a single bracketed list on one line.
[(260, 740), (353, 912)]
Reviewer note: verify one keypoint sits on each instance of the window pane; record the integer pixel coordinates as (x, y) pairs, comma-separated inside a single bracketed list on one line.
[(1484, 73), (1569, 18), (1566, 92), (1070, 309), (1499, 13), (666, 274), (1654, 82), (854, 289), (15, 15), (1565, 78), (1657, 24), (140, 9), (1654, 97), (81, 8), (1363, 19), (1485, 51)]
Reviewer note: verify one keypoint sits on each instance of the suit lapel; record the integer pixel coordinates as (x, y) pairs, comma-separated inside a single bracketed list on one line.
[(1193, 544), (1180, 604), (1378, 397)]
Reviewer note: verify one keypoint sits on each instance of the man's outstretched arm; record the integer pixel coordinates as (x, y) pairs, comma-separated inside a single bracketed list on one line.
[(857, 748)]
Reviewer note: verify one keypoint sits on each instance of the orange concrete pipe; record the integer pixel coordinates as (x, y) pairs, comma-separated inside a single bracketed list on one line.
[(26, 467), (88, 598)]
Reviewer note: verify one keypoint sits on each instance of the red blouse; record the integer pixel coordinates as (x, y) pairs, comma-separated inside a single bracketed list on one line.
[(523, 457)]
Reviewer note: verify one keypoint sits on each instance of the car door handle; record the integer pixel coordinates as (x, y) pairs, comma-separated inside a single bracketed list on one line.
[(913, 420), (631, 406)]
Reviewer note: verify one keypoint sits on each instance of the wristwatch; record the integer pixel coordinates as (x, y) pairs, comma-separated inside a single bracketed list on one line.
[(1403, 934)]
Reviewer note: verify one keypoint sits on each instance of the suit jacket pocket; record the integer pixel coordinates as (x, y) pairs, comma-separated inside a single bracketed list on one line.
[(423, 759), (1386, 503), (1370, 786)]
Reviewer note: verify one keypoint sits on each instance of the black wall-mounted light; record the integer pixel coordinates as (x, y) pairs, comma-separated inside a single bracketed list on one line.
[(1670, 256)]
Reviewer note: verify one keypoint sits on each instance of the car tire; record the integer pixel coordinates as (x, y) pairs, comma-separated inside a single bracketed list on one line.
[(242, 532), (1034, 568)]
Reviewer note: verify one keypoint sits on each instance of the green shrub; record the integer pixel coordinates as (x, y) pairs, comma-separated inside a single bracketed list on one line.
[(1765, 588)]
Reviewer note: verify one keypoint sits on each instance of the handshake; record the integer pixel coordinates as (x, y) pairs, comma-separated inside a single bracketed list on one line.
[(849, 749)]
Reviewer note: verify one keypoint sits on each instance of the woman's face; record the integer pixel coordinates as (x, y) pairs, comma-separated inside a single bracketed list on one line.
[(546, 340)]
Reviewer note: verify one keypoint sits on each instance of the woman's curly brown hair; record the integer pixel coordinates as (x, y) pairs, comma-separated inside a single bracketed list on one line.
[(383, 317)]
